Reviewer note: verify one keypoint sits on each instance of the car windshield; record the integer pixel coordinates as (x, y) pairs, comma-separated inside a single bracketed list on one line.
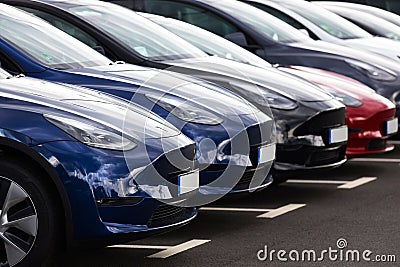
[(45, 43), (210, 43), (326, 20), (262, 22), (143, 36)]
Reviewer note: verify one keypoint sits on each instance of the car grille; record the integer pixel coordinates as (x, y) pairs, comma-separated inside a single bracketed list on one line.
[(321, 123), (376, 144), (166, 214)]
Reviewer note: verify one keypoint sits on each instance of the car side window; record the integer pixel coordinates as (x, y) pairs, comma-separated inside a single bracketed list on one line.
[(65, 26), (9, 65), (282, 16), (191, 14)]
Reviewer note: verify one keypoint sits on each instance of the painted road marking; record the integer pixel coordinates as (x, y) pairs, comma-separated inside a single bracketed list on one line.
[(178, 248), (280, 211), (380, 160), (235, 209), (358, 182), (394, 142), (139, 247), (267, 213), (341, 184), (167, 251)]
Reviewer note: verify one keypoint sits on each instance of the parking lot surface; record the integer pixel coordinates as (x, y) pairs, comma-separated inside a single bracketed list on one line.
[(355, 207)]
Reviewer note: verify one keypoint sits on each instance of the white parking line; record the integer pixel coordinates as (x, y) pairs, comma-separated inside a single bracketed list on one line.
[(267, 213), (234, 209), (341, 184), (139, 247), (358, 182), (280, 211), (394, 142), (377, 160), (167, 251), (178, 248), (293, 181)]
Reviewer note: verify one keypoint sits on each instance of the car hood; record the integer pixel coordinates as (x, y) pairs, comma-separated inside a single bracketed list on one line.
[(75, 102), (379, 45), (340, 84), (166, 83), (272, 79), (339, 51)]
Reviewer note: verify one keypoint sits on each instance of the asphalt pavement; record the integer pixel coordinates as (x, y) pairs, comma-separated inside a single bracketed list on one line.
[(338, 214)]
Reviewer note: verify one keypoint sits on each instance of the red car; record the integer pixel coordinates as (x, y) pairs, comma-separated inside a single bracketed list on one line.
[(369, 116)]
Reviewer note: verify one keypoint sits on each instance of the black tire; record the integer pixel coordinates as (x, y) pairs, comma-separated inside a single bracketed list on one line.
[(40, 201)]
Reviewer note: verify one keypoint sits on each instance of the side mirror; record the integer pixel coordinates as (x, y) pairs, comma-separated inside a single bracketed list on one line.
[(238, 38), (304, 31), (99, 49)]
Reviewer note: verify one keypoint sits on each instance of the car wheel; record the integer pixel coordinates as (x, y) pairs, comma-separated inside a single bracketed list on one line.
[(28, 221)]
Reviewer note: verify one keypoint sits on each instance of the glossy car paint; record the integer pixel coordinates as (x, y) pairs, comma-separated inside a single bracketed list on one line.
[(366, 122), (240, 118), (299, 51), (378, 12), (299, 10), (372, 24), (245, 80), (85, 176)]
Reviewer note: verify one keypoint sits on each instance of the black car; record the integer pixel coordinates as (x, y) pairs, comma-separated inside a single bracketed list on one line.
[(305, 116), (278, 42)]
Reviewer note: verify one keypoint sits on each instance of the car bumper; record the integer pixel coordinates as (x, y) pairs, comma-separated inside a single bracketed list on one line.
[(367, 134), (101, 216)]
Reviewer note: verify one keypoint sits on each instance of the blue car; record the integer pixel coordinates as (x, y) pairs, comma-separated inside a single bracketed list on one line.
[(235, 141), (70, 173)]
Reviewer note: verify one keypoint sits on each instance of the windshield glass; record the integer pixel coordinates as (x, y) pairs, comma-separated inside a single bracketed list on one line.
[(326, 20), (45, 43), (262, 22), (145, 37), (211, 43)]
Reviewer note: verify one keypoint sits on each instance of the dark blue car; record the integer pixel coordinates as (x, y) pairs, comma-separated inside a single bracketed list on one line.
[(235, 142), (77, 165)]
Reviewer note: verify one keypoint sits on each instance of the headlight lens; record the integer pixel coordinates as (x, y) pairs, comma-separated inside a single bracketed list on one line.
[(91, 135), (267, 98), (372, 71), (185, 111), (346, 100), (273, 100)]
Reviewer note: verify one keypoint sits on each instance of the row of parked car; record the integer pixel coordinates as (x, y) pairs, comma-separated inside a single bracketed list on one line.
[(117, 122)]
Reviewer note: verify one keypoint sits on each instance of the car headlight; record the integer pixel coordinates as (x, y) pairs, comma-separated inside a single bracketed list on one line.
[(372, 71), (345, 99), (92, 135), (267, 98), (185, 110)]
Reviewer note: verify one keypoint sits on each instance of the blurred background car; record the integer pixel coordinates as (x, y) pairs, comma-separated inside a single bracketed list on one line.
[(324, 25), (228, 130), (378, 12), (389, 5), (278, 42), (368, 114), (304, 115), (64, 176), (372, 24)]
